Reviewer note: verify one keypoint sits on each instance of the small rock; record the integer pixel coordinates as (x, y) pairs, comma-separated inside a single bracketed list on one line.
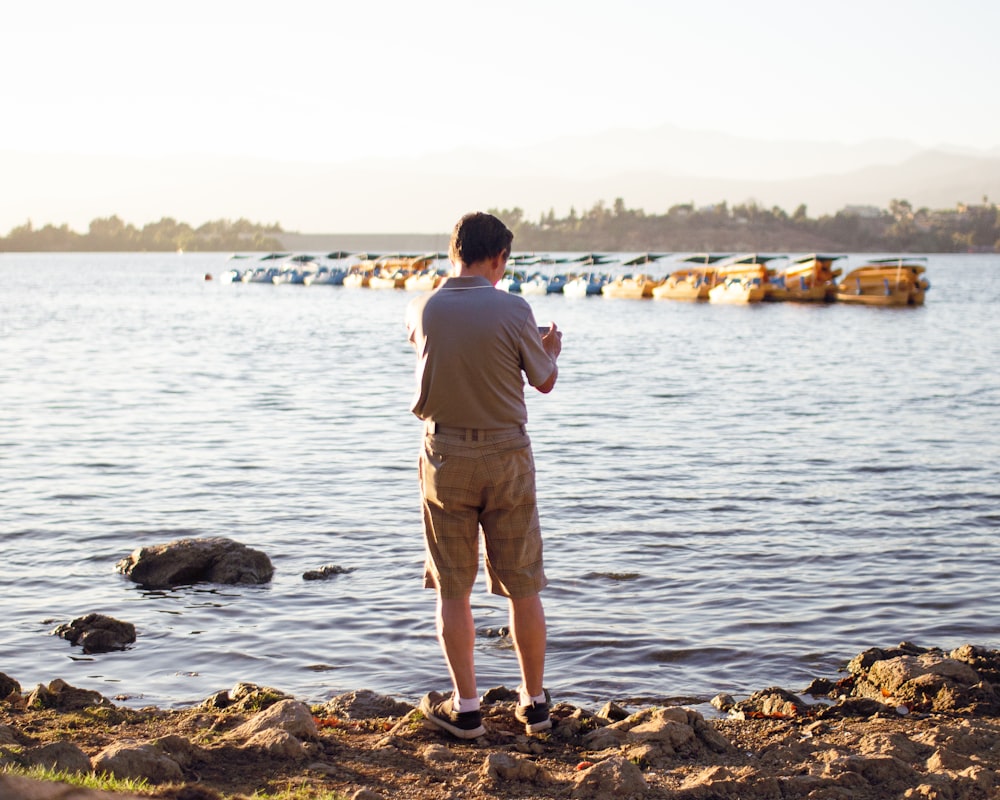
[(943, 759), (8, 686), (366, 794), (60, 695), (364, 704), (773, 702), (821, 687), (500, 694), (891, 775), (528, 745), (574, 721), (437, 752), (505, 767), (277, 743), (493, 633), (853, 707), (98, 633), (609, 780), (60, 757), (613, 712), (604, 738), (723, 781), (247, 697), (324, 572)]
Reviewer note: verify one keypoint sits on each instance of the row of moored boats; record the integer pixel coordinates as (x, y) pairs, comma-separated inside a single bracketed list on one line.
[(713, 277)]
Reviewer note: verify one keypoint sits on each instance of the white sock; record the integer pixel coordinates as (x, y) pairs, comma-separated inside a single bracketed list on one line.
[(463, 704), (527, 700)]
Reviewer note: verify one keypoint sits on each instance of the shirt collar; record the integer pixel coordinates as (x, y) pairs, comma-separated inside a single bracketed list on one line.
[(465, 282)]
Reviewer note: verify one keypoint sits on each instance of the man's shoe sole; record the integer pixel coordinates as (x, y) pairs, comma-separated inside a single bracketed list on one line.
[(523, 714), (538, 727), (443, 724)]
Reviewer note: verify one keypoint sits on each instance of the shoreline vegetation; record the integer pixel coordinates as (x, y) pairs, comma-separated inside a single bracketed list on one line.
[(907, 722), (900, 228)]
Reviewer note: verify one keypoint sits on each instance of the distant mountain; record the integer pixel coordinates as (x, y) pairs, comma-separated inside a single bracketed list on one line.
[(652, 170), (675, 151)]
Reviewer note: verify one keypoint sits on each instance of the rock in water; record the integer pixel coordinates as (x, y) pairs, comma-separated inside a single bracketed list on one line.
[(97, 633), (187, 561)]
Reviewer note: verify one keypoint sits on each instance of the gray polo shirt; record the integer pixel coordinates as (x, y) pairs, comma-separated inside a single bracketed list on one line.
[(474, 343)]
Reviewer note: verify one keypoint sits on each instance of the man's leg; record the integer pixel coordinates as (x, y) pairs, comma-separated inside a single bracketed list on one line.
[(527, 628), (457, 634)]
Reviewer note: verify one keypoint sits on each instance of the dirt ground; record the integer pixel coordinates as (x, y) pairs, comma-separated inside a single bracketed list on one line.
[(938, 756)]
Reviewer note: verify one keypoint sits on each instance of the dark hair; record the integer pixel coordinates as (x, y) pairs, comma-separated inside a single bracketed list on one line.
[(478, 236)]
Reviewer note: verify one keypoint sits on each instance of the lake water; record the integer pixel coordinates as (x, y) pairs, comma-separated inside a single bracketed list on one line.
[(731, 497)]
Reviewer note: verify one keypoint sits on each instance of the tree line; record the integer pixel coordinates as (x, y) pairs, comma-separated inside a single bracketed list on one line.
[(112, 234), (749, 227)]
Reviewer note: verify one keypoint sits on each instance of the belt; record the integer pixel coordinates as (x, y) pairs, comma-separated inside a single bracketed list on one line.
[(471, 434)]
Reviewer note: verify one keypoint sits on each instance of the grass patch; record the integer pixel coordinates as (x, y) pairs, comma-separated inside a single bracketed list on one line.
[(299, 793), (87, 780), (141, 786)]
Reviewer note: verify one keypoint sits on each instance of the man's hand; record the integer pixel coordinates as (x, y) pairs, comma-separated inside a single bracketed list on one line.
[(552, 341)]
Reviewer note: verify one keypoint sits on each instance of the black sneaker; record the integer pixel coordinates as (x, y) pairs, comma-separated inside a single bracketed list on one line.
[(465, 725), (535, 717)]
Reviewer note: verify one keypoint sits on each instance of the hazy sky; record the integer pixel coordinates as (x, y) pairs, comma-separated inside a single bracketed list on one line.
[(338, 80)]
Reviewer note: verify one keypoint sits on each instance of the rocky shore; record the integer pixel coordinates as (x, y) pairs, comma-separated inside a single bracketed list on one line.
[(904, 722)]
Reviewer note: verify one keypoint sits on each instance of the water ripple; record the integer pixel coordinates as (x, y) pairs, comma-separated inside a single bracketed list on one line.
[(731, 498)]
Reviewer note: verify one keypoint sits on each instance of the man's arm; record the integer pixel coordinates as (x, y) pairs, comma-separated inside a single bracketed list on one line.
[(552, 342), (550, 382)]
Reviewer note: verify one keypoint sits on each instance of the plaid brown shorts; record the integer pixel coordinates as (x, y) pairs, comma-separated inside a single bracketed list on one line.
[(488, 481)]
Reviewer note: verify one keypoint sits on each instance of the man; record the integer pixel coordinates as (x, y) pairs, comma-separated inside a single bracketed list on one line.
[(473, 342)]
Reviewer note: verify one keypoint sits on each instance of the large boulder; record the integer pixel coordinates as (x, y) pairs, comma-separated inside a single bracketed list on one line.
[(157, 761), (188, 561), (929, 680), (658, 736), (291, 716), (279, 731)]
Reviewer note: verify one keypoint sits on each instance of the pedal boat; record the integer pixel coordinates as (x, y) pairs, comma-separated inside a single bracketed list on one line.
[(808, 279), (741, 280), (632, 287), (885, 282), (690, 282)]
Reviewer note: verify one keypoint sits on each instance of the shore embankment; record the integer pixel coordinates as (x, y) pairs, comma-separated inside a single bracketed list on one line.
[(907, 722)]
